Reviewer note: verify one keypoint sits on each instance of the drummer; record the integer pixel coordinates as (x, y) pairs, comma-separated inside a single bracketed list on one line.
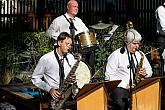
[(64, 22), (69, 23)]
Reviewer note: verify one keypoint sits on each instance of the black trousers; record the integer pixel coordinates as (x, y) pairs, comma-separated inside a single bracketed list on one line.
[(119, 98)]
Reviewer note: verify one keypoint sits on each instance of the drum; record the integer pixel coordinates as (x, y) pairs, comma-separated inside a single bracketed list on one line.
[(87, 41), (83, 74)]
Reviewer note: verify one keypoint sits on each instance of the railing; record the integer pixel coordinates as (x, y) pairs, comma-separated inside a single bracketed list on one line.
[(33, 15)]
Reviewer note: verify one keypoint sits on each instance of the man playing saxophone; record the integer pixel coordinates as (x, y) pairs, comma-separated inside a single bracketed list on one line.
[(122, 65), (53, 67)]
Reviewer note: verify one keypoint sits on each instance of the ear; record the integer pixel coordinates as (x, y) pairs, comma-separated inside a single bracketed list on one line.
[(67, 7), (59, 43)]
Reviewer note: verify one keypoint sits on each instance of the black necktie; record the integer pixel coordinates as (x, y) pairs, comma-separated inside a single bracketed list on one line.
[(61, 70), (133, 68), (72, 28), (132, 63)]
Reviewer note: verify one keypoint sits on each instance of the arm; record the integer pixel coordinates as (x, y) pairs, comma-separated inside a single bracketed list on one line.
[(53, 30), (38, 74), (111, 67), (148, 68), (161, 17)]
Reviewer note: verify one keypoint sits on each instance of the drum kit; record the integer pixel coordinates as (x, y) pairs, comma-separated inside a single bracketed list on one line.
[(87, 42)]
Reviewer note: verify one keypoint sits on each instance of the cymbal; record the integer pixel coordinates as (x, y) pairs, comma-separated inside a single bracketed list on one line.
[(100, 25)]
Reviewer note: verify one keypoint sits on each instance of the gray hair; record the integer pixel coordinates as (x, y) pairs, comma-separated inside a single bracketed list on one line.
[(132, 35)]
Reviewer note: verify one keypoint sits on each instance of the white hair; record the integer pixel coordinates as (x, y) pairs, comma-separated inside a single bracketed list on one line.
[(69, 2), (132, 35)]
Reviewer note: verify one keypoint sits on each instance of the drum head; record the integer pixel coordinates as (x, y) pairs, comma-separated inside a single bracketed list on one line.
[(83, 74)]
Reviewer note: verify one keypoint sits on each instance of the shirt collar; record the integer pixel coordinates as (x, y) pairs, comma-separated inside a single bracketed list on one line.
[(60, 57), (68, 17)]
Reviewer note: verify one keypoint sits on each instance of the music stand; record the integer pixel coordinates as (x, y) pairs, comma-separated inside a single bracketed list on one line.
[(95, 93)]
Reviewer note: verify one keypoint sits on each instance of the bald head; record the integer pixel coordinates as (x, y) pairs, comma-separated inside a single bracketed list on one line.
[(72, 8), (70, 2)]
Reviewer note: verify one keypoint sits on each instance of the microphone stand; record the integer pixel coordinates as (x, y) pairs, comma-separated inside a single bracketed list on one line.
[(131, 80)]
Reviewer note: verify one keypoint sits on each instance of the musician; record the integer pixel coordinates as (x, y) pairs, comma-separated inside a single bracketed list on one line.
[(119, 68), (49, 73), (64, 22), (160, 17)]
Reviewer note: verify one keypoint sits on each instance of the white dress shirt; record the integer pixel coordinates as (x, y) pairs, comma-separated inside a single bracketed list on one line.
[(117, 67), (160, 16), (48, 69), (60, 24)]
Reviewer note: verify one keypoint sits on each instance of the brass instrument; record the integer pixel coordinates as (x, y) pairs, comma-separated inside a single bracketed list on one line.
[(129, 25), (65, 89), (138, 77)]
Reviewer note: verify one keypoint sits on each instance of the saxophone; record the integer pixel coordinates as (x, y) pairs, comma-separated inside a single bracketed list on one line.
[(138, 77), (65, 89)]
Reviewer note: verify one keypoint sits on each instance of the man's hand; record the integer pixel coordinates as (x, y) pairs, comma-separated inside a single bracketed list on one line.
[(54, 93), (128, 86)]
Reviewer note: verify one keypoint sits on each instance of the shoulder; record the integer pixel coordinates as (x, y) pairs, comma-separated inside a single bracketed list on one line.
[(59, 18), (160, 8), (115, 53), (48, 55), (78, 19)]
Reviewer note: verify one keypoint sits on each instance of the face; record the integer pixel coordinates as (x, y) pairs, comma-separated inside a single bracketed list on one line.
[(133, 46), (72, 8), (65, 45)]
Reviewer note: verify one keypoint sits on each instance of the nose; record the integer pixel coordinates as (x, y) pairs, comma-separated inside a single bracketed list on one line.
[(137, 45)]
